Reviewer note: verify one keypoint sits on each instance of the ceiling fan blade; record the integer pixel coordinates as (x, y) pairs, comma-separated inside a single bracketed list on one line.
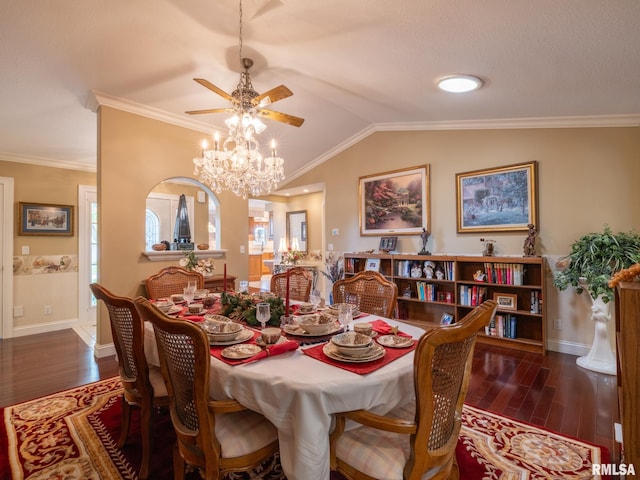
[(281, 117), (210, 110), (213, 88), (272, 96)]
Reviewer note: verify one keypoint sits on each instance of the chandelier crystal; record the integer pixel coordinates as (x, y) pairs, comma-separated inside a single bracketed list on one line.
[(238, 165)]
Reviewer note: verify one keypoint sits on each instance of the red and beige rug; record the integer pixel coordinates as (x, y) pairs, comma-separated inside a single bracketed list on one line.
[(71, 435)]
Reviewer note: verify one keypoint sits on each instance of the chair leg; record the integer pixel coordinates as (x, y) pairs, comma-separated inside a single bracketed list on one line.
[(146, 413), (178, 464), (125, 420)]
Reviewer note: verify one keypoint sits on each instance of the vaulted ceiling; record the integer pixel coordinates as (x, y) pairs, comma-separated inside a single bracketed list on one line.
[(354, 66)]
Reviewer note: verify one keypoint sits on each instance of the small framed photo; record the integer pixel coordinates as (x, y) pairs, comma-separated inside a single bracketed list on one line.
[(45, 219), (373, 264), (388, 243), (506, 301), (446, 319)]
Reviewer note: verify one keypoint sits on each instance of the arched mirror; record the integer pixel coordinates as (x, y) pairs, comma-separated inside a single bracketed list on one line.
[(202, 213), (297, 232)]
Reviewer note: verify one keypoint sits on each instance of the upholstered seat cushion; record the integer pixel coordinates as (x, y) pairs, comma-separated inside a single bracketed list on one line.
[(244, 432), (157, 381)]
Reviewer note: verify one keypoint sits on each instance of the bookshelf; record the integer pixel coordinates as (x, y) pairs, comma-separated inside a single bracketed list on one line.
[(432, 285)]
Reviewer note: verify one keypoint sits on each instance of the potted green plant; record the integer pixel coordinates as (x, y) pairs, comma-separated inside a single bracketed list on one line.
[(593, 260)]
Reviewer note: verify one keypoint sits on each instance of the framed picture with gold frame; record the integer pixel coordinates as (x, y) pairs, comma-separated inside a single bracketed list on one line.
[(506, 301), (45, 219), (501, 199), (395, 202)]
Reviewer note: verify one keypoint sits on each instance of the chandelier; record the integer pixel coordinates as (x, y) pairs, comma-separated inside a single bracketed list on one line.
[(237, 164)]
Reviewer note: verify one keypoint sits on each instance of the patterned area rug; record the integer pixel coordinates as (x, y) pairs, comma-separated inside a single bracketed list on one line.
[(71, 435)]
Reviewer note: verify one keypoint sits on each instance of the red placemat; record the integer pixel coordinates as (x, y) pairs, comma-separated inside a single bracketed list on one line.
[(216, 350), (390, 355)]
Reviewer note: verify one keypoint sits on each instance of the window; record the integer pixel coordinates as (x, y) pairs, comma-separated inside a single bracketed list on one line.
[(152, 229)]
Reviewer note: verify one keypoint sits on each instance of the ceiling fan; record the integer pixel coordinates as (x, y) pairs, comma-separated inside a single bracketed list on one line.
[(245, 99)]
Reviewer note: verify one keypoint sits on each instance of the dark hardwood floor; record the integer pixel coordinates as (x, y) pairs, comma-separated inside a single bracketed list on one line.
[(549, 391)]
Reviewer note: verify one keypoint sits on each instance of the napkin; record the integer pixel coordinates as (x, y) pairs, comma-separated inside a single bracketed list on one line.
[(193, 318), (273, 350), (384, 328)]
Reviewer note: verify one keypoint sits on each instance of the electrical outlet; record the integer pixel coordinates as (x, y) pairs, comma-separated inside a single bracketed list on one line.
[(18, 311), (242, 249), (557, 324), (25, 249), (48, 310), (330, 247)]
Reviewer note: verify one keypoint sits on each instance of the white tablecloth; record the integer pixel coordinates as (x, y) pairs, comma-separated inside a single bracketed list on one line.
[(299, 394)]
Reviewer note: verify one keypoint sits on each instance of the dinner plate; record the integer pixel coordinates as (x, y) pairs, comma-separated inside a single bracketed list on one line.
[(200, 312), (174, 310), (298, 331), (243, 335), (330, 350), (239, 352), (395, 341)]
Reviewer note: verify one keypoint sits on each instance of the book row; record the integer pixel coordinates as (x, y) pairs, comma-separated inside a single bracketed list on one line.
[(502, 325)]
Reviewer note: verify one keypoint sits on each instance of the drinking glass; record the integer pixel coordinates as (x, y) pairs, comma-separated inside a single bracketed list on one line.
[(263, 313), (244, 286), (189, 293), (315, 299), (344, 315)]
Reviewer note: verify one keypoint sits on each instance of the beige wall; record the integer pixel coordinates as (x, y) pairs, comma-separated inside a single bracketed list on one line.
[(58, 289), (587, 179), (134, 154)]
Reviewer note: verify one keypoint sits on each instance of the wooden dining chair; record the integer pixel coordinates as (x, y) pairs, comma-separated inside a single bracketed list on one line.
[(300, 281), (218, 436), (417, 441), (370, 291), (170, 281), (143, 385)]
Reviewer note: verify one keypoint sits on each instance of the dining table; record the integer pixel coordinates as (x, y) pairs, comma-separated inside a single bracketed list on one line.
[(299, 391)]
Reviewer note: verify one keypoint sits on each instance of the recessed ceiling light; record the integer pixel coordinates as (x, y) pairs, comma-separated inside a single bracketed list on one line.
[(459, 83)]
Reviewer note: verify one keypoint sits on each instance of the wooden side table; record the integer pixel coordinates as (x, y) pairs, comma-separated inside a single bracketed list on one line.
[(215, 283)]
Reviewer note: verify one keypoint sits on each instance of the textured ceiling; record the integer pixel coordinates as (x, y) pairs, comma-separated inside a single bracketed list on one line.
[(354, 66)]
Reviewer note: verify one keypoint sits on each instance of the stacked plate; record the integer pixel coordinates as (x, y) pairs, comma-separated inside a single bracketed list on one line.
[(353, 347), (222, 331)]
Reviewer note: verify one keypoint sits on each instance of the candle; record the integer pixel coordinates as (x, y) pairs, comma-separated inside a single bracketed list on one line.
[(224, 279), (286, 302)]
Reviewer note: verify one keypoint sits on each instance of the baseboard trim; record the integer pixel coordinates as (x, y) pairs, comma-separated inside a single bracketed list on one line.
[(106, 350), (570, 348), (44, 327)]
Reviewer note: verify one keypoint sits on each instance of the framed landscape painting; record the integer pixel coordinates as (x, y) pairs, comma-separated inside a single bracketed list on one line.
[(395, 202), (45, 219), (499, 199)]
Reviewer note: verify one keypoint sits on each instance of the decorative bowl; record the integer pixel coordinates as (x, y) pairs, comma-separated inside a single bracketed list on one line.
[(306, 308), (159, 247), (352, 344), (315, 324), (219, 328)]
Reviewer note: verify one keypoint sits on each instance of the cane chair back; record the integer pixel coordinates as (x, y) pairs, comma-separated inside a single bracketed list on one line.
[(170, 281), (218, 436), (300, 281), (419, 440), (143, 386), (370, 291)]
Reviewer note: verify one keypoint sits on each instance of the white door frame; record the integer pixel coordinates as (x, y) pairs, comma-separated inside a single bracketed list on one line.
[(6, 259), (86, 312)]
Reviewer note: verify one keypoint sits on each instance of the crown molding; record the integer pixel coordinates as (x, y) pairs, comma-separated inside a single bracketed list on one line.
[(97, 99), (88, 166)]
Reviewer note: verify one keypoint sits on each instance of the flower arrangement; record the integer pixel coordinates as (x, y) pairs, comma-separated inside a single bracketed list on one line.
[(242, 307), (190, 262), (292, 257)]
